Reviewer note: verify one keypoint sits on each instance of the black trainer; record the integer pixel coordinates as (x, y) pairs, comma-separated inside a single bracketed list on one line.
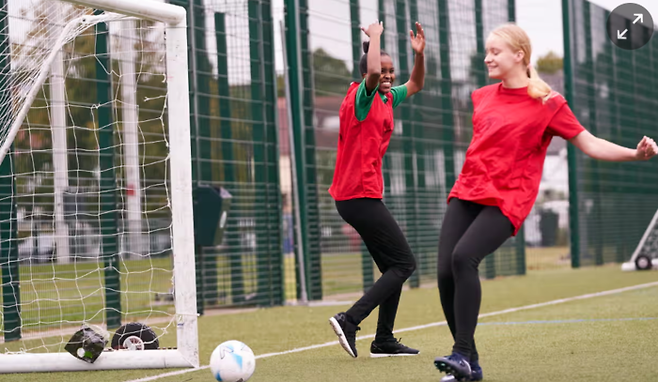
[(476, 374), (346, 332), (391, 348), (455, 364)]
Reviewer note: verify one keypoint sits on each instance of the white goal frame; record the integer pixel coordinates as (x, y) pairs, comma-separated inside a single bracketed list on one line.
[(630, 265), (186, 354)]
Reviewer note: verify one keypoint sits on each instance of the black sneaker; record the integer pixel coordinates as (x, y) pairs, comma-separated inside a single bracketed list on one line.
[(476, 374), (392, 348), (346, 332), (455, 364), (476, 371)]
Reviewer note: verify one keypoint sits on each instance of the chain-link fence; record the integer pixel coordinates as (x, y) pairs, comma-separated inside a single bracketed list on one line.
[(266, 82), (614, 93)]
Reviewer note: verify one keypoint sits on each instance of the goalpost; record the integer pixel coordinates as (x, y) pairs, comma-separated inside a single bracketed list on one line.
[(95, 184), (645, 256)]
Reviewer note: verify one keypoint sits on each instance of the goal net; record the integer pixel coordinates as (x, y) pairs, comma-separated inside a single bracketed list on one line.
[(95, 187)]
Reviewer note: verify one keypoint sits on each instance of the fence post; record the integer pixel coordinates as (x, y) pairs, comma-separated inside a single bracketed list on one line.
[(520, 237), (481, 76), (301, 101), (367, 268), (447, 118), (268, 275), (595, 181), (271, 126), (421, 221), (108, 189), (408, 207), (574, 220)]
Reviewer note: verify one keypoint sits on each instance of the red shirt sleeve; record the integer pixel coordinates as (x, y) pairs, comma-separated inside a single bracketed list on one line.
[(475, 96), (564, 124)]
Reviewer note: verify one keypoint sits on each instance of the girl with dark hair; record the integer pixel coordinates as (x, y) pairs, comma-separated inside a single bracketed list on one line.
[(366, 125)]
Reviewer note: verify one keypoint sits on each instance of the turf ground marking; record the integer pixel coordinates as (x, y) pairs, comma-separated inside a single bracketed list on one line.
[(426, 326)]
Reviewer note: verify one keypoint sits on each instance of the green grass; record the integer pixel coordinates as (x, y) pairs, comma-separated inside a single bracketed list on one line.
[(341, 273), (570, 351), (54, 292), (540, 258)]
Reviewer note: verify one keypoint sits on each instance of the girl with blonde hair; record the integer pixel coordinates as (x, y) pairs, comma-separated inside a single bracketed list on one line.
[(514, 121)]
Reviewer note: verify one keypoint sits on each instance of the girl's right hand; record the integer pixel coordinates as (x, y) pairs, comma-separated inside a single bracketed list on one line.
[(374, 29), (646, 149)]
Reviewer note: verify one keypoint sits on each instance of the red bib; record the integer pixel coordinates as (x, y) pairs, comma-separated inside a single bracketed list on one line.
[(361, 147)]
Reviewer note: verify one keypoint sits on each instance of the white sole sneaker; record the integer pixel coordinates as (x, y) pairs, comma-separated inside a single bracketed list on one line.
[(378, 355), (341, 336)]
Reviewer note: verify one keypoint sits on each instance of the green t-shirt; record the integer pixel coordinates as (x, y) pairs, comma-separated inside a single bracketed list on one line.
[(364, 100)]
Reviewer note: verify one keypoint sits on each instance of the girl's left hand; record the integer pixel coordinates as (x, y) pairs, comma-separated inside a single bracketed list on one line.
[(418, 41)]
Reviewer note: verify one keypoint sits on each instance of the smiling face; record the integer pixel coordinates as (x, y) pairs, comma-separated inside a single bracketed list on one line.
[(501, 59), (387, 77)]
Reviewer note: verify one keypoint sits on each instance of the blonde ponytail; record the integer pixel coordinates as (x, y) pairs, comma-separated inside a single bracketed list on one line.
[(518, 40), (537, 88)]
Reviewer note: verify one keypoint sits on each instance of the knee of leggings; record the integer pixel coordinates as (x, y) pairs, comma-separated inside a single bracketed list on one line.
[(409, 268), (444, 273), (462, 263)]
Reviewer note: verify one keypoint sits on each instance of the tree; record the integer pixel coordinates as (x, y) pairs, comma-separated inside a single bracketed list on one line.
[(477, 69), (280, 86), (331, 75), (551, 63), (33, 143)]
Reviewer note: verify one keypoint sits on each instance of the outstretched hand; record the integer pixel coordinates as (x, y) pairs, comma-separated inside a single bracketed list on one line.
[(646, 149), (374, 29), (418, 41)]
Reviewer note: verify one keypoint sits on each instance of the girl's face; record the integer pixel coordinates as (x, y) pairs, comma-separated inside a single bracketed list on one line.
[(500, 59), (388, 75)]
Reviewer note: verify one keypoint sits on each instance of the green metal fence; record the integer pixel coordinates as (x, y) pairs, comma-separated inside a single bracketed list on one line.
[(614, 93), (431, 133), (235, 147)]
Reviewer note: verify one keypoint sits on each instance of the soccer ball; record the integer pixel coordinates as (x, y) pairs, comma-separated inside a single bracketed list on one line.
[(232, 361)]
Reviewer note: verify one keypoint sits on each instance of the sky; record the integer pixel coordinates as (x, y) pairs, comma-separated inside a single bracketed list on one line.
[(329, 28), (542, 20)]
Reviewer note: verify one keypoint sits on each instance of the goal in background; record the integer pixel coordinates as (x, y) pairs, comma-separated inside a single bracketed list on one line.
[(95, 182), (645, 256)]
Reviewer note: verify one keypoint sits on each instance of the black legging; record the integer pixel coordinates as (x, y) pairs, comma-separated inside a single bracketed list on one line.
[(390, 251), (470, 231)]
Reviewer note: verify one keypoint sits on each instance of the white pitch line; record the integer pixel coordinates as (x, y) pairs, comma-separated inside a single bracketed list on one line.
[(420, 327)]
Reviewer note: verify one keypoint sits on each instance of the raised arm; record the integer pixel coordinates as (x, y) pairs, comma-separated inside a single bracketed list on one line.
[(417, 79), (374, 31)]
